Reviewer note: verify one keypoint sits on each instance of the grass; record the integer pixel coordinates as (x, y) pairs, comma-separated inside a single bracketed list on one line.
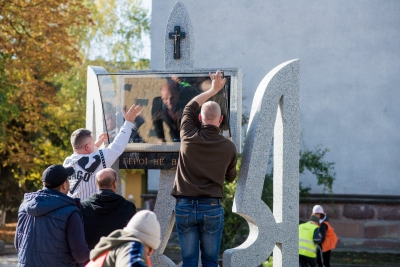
[(379, 259), (358, 258), (268, 263)]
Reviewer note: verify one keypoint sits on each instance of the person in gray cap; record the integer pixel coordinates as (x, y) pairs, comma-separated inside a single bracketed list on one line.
[(50, 227), (130, 246)]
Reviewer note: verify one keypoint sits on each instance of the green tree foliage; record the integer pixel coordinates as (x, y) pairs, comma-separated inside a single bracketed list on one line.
[(35, 44), (313, 161), (236, 228), (44, 48), (234, 225), (117, 34)]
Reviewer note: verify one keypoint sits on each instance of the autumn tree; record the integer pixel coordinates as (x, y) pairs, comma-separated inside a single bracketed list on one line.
[(113, 41), (44, 54), (116, 37), (35, 44)]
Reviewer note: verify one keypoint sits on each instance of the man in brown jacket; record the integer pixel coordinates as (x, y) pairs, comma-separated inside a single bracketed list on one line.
[(206, 160)]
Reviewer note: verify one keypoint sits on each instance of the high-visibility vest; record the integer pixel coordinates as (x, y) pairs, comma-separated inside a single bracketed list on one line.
[(307, 247)]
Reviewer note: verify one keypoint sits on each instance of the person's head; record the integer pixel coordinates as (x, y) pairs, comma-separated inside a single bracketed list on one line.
[(145, 226), (82, 141), (314, 219), (169, 95), (109, 116), (56, 177), (211, 114), (318, 211), (107, 179)]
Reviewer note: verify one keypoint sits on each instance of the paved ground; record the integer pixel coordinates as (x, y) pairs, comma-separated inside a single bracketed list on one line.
[(10, 258), (11, 261)]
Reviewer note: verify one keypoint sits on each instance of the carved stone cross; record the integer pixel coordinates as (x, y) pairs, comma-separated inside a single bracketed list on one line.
[(177, 35)]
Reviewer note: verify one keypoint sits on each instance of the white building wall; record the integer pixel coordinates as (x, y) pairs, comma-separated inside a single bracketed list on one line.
[(349, 54)]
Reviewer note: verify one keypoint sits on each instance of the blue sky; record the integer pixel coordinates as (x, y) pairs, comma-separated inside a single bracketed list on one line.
[(98, 49), (147, 42)]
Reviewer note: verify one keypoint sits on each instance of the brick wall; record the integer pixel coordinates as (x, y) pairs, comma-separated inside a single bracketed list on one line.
[(362, 226)]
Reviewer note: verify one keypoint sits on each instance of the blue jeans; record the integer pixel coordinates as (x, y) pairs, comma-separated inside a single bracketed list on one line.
[(199, 224)]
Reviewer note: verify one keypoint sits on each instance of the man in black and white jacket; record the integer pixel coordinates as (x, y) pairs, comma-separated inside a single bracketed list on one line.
[(87, 159)]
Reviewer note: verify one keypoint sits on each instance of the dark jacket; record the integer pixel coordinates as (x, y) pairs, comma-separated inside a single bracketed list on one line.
[(125, 249), (323, 227), (158, 106), (50, 231), (103, 213), (185, 95), (206, 158)]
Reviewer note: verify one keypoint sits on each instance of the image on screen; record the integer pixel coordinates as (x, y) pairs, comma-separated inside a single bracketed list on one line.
[(162, 98)]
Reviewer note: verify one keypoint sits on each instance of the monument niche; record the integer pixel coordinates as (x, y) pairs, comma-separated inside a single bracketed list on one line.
[(274, 113)]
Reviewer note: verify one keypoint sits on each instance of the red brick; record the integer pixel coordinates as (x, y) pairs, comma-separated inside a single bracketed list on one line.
[(333, 210), (390, 212), (381, 229), (393, 245), (358, 211), (351, 242), (347, 228), (369, 244)]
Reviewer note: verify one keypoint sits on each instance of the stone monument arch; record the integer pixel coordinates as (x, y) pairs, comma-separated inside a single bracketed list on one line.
[(275, 112), (179, 20), (182, 56), (119, 89)]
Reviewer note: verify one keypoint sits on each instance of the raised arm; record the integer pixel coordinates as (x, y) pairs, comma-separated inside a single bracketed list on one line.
[(118, 145), (217, 83), (132, 113)]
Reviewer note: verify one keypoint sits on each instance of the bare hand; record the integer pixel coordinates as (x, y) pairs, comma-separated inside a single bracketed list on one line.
[(132, 113), (101, 139), (176, 79), (217, 82)]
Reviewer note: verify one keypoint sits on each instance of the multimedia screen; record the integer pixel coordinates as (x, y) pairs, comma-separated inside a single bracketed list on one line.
[(162, 98)]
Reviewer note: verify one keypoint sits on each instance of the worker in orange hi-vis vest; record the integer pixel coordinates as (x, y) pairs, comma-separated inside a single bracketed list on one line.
[(328, 237)]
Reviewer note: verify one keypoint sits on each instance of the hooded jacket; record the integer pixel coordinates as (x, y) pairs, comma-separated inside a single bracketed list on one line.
[(124, 250), (50, 231), (104, 212), (82, 182), (323, 227)]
